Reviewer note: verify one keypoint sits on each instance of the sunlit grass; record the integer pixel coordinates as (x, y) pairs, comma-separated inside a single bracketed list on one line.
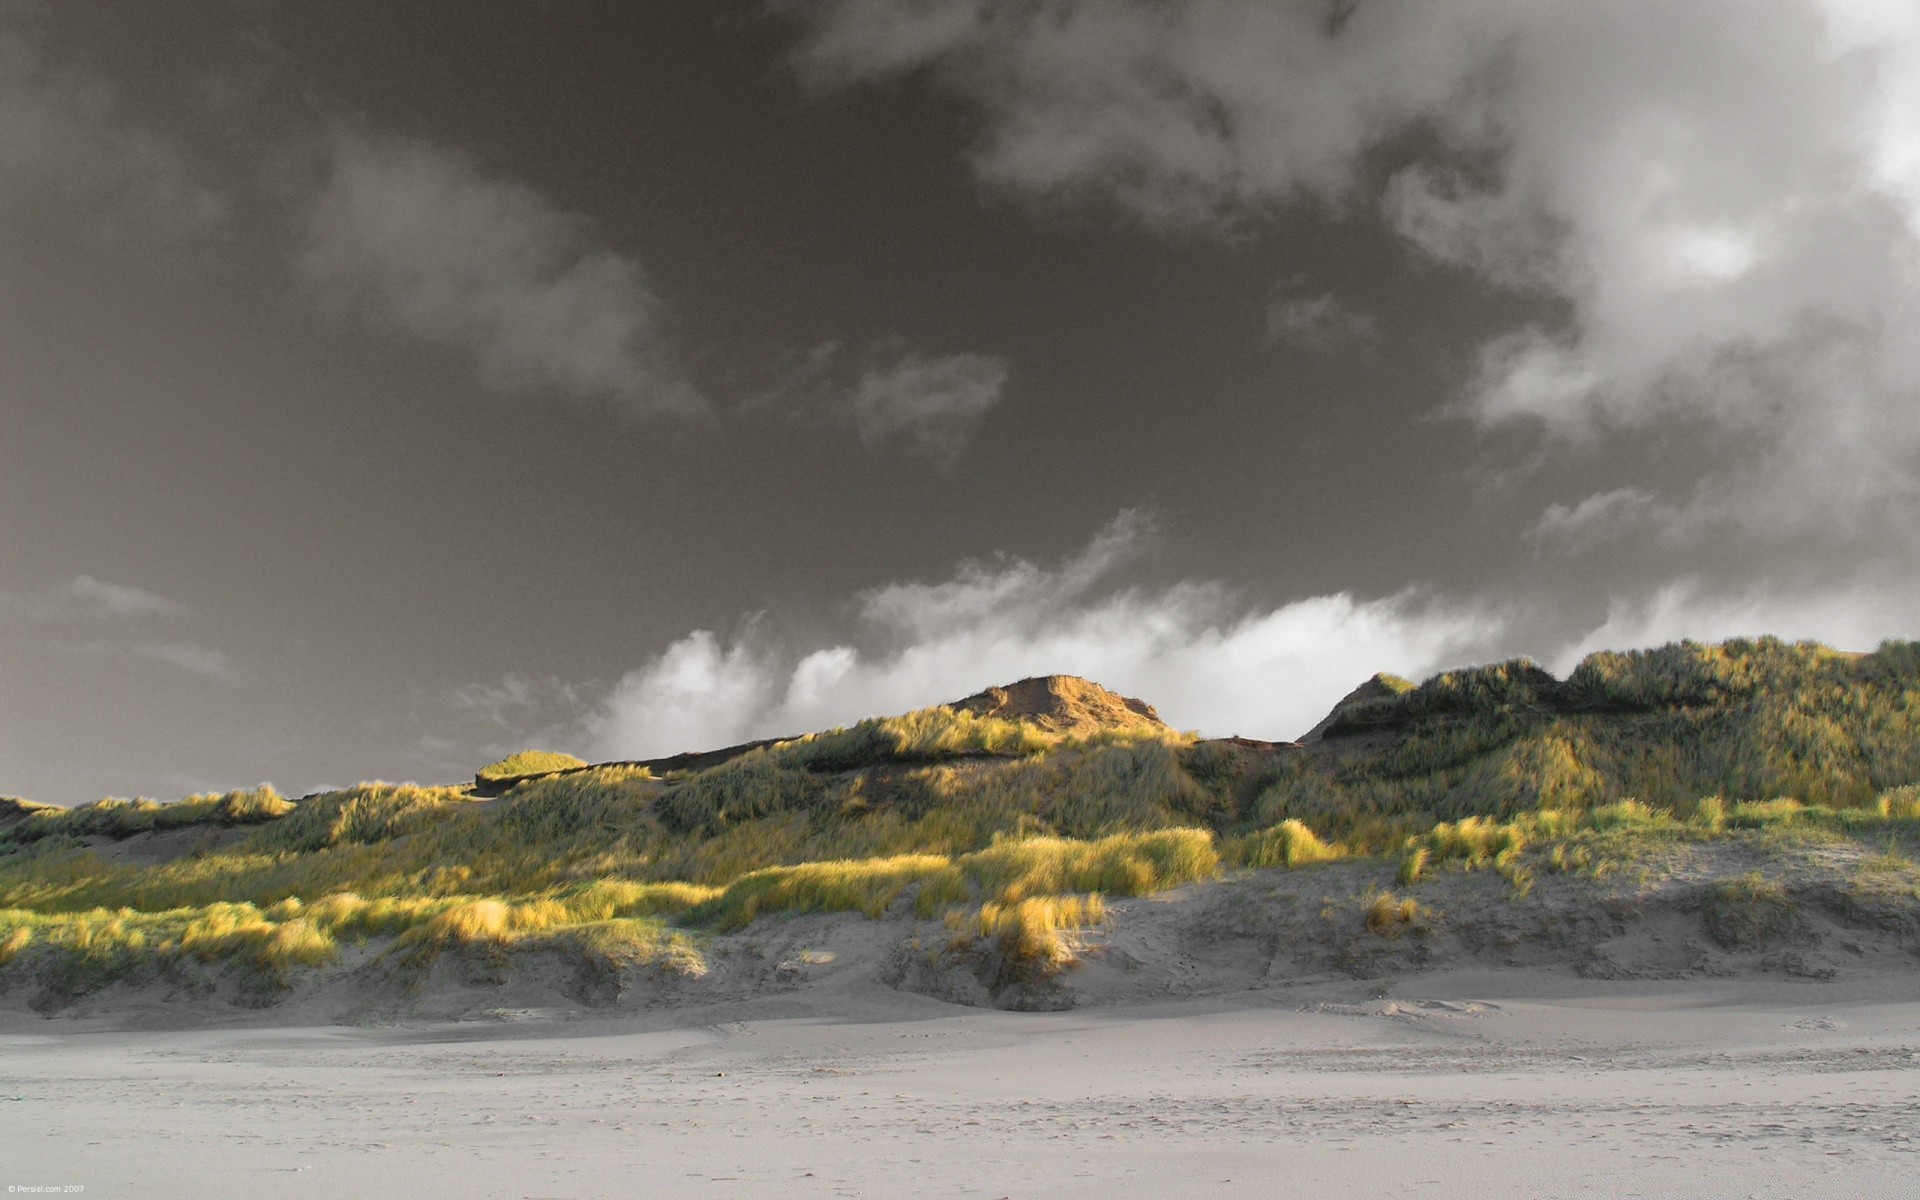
[(1631, 763), (123, 818), (527, 762), (1035, 931), (1287, 844)]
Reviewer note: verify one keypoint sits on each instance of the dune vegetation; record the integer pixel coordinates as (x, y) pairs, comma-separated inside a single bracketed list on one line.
[(525, 764), (1011, 836)]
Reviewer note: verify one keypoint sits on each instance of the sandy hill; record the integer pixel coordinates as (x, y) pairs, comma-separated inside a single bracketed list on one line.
[(1064, 704), (1692, 811)]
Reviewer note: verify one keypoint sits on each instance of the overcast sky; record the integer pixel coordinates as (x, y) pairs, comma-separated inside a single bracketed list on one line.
[(387, 386)]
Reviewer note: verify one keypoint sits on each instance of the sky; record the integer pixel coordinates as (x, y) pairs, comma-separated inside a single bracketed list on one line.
[(388, 387)]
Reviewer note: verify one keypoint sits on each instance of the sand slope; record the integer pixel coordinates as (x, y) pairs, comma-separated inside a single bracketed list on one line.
[(1249, 932)]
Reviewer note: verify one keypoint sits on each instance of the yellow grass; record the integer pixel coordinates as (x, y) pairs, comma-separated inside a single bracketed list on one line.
[(1038, 930), (1388, 915), (1135, 864), (1287, 844), (868, 886), (528, 762)]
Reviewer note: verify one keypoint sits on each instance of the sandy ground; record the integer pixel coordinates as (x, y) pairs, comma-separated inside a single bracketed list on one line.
[(1505, 1083)]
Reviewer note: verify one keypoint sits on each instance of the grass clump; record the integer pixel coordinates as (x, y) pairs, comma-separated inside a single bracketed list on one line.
[(1899, 804), (1387, 915), (525, 763), (1472, 843), (1287, 844), (1038, 931), (14, 942)]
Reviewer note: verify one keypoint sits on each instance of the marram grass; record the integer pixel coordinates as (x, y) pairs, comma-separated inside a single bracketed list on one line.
[(1004, 830), (527, 762)]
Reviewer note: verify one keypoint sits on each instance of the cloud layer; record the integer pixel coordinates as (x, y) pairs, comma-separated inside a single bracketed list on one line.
[(1205, 659), (1723, 199)]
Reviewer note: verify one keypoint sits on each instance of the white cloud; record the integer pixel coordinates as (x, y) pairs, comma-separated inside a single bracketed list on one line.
[(927, 405), (1599, 518), (1850, 615), (1194, 113), (200, 660), (420, 238), (70, 144), (117, 613), (1322, 322), (83, 598), (203, 661), (1722, 198), (892, 397), (1204, 659), (700, 694), (88, 594)]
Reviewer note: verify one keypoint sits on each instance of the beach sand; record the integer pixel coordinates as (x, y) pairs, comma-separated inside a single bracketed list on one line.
[(1485, 1083)]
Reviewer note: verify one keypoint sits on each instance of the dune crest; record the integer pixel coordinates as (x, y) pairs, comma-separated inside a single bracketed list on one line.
[(1064, 704)]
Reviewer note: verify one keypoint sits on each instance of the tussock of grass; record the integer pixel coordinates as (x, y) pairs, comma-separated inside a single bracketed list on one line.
[(95, 946), (1388, 915), (1473, 844), (1288, 844), (1899, 804), (14, 943), (527, 762), (1036, 931)]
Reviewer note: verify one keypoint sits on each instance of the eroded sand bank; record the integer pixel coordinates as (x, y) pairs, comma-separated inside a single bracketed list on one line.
[(1505, 1083)]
